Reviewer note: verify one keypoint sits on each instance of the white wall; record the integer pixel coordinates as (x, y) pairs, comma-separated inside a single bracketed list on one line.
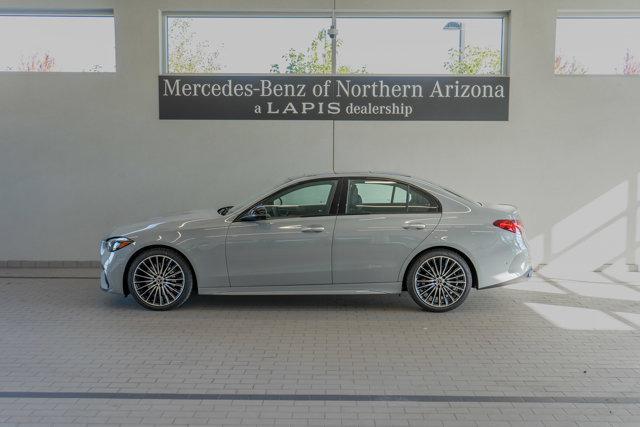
[(80, 153)]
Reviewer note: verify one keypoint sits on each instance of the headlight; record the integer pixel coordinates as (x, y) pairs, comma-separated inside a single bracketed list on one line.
[(116, 243)]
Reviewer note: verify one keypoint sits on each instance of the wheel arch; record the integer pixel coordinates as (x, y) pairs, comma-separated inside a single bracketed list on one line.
[(472, 267), (125, 282)]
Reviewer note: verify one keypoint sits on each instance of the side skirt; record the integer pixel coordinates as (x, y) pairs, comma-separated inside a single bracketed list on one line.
[(334, 289)]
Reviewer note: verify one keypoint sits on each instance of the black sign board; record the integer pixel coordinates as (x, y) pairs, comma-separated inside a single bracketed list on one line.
[(353, 97)]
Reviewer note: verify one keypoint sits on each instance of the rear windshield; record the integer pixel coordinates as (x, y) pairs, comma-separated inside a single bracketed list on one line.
[(455, 193)]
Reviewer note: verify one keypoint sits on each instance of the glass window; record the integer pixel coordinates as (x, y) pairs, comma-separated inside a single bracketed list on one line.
[(386, 45), (368, 196), (420, 202), (399, 195), (592, 45), (210, 44), (301, 45), (57, 43), (303, 200)]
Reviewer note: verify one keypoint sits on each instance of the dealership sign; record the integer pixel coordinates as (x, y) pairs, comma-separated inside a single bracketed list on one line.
[(353, 97)]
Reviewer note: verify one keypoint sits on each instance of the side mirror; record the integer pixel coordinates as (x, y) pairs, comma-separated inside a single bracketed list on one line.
[(256, 214)]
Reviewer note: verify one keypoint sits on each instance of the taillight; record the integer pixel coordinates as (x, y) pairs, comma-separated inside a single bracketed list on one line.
[(512, 225)]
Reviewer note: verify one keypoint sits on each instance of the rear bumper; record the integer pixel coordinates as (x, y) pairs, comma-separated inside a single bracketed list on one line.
[(526, 276), (501, 258)]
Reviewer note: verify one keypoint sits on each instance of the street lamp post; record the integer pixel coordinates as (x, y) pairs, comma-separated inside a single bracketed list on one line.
[(457, 26)]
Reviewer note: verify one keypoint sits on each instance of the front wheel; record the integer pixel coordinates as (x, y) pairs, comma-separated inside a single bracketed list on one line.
[(439, 280), (160, 279)]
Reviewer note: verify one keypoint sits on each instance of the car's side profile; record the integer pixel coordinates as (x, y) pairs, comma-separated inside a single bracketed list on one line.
[(351, 233)]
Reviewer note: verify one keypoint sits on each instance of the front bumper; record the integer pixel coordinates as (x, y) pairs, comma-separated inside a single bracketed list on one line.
[(113, 267), (104, 283)]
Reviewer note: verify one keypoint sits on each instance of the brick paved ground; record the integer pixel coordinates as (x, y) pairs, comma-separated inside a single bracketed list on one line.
[(576, 336)]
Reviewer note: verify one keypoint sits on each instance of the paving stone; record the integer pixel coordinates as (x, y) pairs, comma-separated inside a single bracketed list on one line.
[(64, 334)]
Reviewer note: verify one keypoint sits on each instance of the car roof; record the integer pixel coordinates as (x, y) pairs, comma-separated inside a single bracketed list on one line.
[(420, 182), (341, 174)]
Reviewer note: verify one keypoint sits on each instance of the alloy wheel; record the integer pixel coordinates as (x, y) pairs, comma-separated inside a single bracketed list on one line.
[(158, 280), (440, 281)]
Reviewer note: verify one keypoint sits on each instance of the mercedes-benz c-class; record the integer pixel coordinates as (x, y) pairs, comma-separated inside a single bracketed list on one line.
[(345, 233)]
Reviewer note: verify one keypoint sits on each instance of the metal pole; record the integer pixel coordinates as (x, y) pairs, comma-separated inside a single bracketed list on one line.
[(334, 45), (461, 43), (334, 40)]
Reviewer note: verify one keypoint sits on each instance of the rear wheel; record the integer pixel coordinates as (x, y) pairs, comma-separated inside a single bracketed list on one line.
[(439, 280), (160, 279)]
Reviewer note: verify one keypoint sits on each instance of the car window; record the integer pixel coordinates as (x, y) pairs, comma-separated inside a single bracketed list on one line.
[(302, 200), (421, 202), (375, 197), (400, 195), (371, 196)]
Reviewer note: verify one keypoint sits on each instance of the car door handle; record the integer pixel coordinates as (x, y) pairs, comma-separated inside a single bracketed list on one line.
[(313, 229), (414, 226)]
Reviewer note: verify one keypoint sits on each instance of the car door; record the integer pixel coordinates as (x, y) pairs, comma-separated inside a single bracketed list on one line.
[(289, 241), (382, 222)]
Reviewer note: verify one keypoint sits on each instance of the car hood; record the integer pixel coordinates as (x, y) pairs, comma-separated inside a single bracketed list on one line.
[(169, 222)]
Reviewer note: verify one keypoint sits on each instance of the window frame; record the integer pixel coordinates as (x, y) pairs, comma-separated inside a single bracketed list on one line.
[(586, 14), (67, 13), (342, 209), (335, 16)]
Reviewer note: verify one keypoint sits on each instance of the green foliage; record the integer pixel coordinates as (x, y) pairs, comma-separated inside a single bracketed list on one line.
[(564, 65), (186, 55), (474, 60), (316, 59)]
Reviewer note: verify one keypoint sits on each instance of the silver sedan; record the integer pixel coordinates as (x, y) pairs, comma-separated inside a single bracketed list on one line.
[(356, 233)]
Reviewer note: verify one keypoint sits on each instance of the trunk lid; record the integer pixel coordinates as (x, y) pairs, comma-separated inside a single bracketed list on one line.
[(503, 211)]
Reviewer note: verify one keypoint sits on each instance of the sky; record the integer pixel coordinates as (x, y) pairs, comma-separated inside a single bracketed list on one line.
[(410, 45), (598, 44), (252, 45), (76, 43), (382, 45)]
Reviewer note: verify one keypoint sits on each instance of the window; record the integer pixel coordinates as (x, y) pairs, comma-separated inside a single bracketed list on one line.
[(597, 45), (420, 202), (71, 42), (371, 196), (302, 45), (399, 195), (209, 44), (420, 45), (302, 200)]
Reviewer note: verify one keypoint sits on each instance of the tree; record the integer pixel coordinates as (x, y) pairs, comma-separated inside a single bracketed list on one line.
[(38, 62), (474, 60), (95, 68), (316, 59), (631, 65), (186, 55), (564, 65)]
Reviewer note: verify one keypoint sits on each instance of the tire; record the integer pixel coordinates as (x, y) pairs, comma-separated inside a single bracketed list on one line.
[(160, 279), (439, 280)]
